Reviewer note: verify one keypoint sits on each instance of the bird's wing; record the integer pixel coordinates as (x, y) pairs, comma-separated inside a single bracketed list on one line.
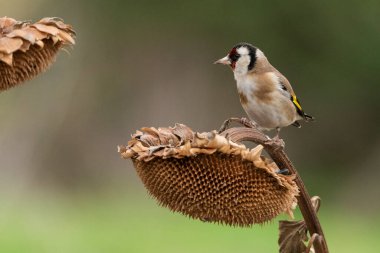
[(285, 85)]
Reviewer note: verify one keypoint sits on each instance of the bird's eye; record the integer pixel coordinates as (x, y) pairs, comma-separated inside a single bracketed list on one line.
[(234, 57)]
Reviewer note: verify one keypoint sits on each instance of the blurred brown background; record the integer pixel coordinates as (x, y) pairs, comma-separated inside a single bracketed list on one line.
[(149, 63)]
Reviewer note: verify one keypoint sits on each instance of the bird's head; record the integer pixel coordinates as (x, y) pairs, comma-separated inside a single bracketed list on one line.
[(241, 58)]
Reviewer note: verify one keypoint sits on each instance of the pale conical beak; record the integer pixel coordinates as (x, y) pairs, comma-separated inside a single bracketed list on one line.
[(224, 61)]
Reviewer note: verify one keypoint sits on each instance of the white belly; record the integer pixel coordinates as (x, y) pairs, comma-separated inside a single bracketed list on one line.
[(268, 116)]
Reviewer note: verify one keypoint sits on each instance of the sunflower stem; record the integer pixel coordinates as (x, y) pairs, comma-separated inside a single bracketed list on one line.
[(277, 153)]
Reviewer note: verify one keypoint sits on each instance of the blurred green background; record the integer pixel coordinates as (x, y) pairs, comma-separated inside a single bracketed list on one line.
[(63, 186)]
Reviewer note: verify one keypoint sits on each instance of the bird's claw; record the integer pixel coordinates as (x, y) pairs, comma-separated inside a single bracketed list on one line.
[(248, 123), (244, 121)]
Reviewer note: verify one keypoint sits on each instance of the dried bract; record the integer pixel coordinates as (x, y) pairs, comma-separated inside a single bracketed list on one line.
[(208, 177), (27, 49)]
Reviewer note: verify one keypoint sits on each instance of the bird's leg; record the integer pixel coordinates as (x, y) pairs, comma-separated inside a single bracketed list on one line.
[(244, 121), (225, 125), (278, 133)]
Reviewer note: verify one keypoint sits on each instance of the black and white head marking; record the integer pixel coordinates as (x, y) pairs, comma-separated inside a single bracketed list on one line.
[(245, 53)]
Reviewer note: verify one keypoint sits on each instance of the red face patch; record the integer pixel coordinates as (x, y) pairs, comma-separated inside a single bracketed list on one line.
[(232, 52), (234, 57)]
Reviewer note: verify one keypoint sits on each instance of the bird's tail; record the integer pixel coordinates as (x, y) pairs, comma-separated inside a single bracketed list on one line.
[(308, 118)]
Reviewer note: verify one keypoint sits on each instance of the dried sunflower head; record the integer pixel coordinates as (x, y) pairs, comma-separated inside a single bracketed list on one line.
[(27, 49), (208, 177)]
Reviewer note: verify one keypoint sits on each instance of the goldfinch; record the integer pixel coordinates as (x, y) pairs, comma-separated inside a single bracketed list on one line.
[(265, 94)]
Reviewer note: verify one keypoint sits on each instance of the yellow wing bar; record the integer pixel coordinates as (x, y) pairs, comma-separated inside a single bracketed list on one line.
[(297, 104)]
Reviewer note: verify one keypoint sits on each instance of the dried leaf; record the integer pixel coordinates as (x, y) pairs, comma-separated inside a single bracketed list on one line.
[(50, 20), (7, 22), (183, 132), (150, 130), (121, 148), (293, 234), (149, 140), (255, 153), (47, 29), (40, 43), (57, 22), (217, 141), (34, 32), (25, 46), (310, 246), (55, 39), (316, 202), (9, 45), (167, 137), (24, 34), (201, 139), (66, 37), (7, 58)]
